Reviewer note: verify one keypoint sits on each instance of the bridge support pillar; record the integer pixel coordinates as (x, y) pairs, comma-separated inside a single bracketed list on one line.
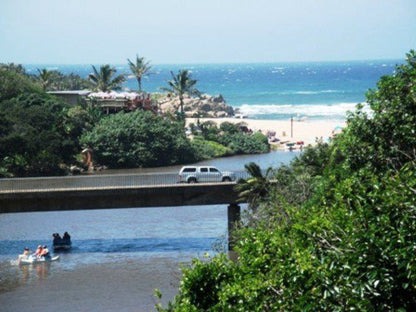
[(234, 213)]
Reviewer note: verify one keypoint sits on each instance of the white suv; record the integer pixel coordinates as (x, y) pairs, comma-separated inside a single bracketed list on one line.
[(194, 174)]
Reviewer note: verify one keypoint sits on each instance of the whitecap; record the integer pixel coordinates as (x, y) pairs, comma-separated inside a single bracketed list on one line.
[(309, 92), (311, 110)]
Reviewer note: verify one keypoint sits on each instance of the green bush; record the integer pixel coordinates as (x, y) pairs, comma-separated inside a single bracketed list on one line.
[(138, 139), (232, 136), (208, 149), (241, 143)]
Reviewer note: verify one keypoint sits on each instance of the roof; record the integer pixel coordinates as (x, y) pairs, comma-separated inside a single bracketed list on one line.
[(71, 92)]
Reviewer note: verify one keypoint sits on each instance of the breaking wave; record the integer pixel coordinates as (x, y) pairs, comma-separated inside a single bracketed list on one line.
[(306, 92), (338, 110)]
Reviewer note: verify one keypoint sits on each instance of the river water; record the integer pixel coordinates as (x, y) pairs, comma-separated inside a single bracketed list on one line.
[(119, 256)]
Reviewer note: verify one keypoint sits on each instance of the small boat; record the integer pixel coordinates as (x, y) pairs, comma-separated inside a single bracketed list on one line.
[(35, 260), (62, 246), (63, 243)]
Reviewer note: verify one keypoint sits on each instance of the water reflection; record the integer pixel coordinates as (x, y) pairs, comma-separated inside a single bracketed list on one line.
[(14, 275), (38, 271)]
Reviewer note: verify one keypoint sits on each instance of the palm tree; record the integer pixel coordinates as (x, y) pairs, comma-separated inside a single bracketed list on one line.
[(45, 78), (255, 188), (102, 80), (140, 69), (181, 84)]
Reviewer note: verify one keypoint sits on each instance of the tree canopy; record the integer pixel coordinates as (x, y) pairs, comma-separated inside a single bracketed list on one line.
[(103, 79), (38, 132), (32, 140), (138, 139), (181, 84), (141, 68)]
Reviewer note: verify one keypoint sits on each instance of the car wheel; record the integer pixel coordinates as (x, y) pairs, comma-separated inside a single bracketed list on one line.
[(226, 179), (191, 180)]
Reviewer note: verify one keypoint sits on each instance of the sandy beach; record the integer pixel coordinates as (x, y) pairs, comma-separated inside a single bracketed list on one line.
[(307, 131)]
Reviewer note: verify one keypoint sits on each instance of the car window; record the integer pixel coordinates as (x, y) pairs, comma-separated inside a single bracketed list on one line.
[(204, 169), (213, 170), (189, 170)]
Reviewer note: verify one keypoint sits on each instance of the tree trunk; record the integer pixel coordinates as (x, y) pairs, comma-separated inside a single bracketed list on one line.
[(181, 103)]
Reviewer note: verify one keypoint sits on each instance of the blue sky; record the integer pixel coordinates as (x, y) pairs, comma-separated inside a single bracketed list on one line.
[(210, 31)]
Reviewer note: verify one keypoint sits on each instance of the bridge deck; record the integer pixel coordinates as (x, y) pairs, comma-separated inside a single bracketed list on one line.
[(101, 197)]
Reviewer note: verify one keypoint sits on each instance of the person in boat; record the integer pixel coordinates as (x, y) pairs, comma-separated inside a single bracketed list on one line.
[(25, 254), (56, 238), (45, 252), (66, 236), (38, 251)]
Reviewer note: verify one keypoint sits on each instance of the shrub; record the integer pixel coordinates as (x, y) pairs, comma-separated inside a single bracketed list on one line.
[(138, 139)]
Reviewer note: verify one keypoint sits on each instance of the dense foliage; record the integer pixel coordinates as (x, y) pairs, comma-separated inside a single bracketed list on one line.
[(138, 139), (14, 82), (338, 230), (39, 134), (53, 80), (227, 139), (32, 140)]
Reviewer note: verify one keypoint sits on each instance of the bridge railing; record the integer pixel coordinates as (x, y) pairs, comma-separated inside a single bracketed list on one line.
[(94, 181)]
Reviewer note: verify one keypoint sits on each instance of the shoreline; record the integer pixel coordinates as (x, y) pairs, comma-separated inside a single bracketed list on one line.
[(307, 130)]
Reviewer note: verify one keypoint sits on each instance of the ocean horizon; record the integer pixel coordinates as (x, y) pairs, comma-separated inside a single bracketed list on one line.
[(315, 90)]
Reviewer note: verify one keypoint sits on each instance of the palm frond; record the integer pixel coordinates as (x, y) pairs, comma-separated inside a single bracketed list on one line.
[(102, 80)]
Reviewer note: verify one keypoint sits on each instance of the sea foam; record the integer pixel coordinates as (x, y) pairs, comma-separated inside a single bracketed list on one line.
[(333, 111)]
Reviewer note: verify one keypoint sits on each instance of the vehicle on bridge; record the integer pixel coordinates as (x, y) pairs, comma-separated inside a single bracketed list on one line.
[(194, 174)]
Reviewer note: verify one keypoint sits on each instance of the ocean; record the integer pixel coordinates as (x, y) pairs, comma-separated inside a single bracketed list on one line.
[(317, 90)]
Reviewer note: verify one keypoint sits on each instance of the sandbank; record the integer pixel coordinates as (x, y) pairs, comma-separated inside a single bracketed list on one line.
[(307, 131)]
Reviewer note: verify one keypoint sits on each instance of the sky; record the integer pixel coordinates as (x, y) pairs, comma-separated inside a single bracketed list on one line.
[(209, 31)]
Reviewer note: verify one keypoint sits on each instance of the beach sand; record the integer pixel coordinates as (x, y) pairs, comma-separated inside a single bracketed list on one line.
[(307, 131)]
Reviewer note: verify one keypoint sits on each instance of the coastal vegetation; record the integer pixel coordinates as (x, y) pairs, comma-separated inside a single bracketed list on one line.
[(337, 229), (227, 139), (42, 135), (103, 79), (33, 141), (180, 84), (138, 139), (141, 68)]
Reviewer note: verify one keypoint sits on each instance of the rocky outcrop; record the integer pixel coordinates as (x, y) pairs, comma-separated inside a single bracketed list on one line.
[(204, 106)]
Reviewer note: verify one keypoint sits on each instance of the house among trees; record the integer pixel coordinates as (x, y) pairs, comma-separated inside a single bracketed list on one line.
[(72, 97), (110, 102)]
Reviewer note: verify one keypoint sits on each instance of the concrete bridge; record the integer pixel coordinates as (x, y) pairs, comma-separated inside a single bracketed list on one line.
[(29, 195)]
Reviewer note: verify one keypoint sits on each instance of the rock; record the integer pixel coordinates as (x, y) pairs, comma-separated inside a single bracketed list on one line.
[(218, 99), (204, 106)]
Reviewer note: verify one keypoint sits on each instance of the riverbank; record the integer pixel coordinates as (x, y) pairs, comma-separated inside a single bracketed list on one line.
[(307, 131)]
